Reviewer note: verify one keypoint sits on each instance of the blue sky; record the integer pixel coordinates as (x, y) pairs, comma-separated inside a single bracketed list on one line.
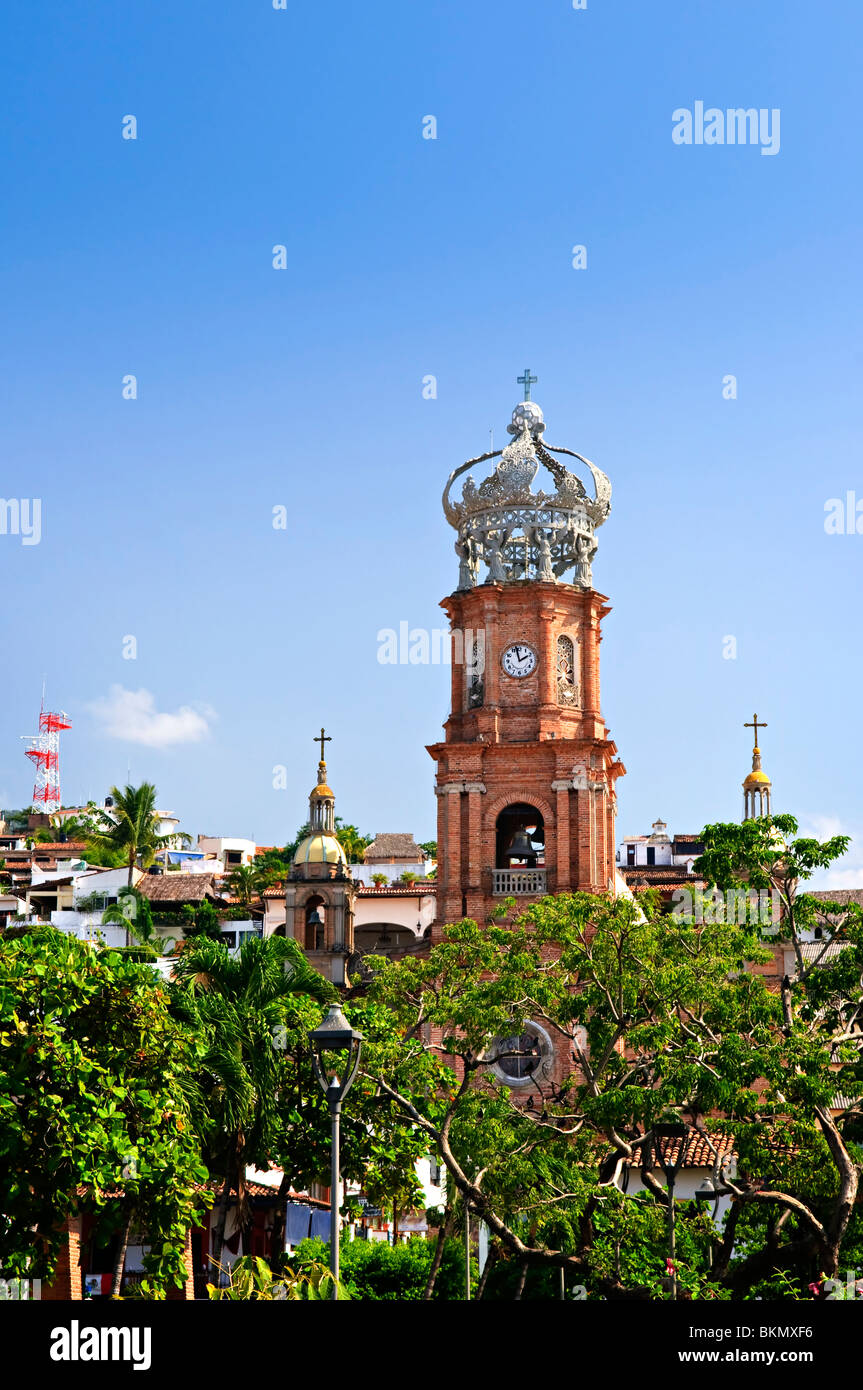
[(303, 387)]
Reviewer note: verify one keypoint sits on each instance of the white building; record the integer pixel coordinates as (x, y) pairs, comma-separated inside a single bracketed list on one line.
[(659, 850), (230, 853)]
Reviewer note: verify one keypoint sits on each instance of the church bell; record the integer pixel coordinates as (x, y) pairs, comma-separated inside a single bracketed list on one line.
[(521, 846)]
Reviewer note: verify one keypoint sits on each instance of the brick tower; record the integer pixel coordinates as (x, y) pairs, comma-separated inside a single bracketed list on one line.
[(526, 775)]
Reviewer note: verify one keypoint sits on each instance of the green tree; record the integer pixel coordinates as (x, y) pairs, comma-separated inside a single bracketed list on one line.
[(132, 910), (257, 1009), (352, 842), (373, 1269), (95, 1094), (134, 827), (251, 1279), (201, 921), (274, 864), (247, 883), (661, 1014), (243, 1004)]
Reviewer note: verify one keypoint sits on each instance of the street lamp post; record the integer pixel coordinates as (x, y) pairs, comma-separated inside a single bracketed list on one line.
[(335, 1035), (711, 1190), (669, 1146), (466, 1251)]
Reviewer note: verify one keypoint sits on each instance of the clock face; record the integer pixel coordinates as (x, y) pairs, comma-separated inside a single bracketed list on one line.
[(519, 660)]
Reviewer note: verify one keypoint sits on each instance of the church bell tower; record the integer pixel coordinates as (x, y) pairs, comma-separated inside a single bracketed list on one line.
[(320, 893), (526, 774)]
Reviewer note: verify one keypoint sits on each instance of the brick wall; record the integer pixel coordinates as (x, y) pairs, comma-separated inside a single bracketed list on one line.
[(66, 1285)]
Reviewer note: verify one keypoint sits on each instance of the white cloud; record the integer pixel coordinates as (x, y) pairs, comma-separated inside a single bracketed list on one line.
[(132, 715), (846, 872)]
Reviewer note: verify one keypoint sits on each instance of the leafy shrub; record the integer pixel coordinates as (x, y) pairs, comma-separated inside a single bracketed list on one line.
[(372, 1269)]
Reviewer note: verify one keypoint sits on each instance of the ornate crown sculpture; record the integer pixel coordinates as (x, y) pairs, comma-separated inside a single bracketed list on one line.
[(519, 534)]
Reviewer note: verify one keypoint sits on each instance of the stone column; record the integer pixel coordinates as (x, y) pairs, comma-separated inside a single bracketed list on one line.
[(291, 912), (547, 655), (475, 867), (564, 849), (450, 906), (336, 931), (591, 661), (492, 650), (602, 873)]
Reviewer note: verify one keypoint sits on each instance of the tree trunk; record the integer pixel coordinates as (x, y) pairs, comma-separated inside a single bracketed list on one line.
[(521, 1280), (120, 1262), (442, 1236), (219, 1228), (491, 1261), (277, 1239)]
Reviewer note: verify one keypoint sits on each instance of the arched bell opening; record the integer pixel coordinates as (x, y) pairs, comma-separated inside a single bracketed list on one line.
[(314, 924), (520, 838)]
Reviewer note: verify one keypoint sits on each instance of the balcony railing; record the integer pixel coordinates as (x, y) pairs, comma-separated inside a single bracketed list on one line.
[(518, 882)]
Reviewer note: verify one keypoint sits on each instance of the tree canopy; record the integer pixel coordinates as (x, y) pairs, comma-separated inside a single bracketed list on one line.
[(95, 1095), (655, 1016)]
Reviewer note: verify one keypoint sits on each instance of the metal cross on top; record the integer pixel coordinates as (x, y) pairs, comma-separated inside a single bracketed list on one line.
[(526, 381), (322, 738), (754, 725)]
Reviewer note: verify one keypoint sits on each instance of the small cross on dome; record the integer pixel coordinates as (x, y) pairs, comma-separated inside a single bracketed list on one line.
[(322, 738)]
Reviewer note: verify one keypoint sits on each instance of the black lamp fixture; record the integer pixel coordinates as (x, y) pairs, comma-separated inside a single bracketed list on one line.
[(336, 1049)]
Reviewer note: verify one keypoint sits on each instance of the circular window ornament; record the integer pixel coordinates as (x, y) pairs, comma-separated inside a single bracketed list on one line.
[(522, 1058)]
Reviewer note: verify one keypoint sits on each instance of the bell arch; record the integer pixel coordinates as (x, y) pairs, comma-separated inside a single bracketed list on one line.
[(519, 837)]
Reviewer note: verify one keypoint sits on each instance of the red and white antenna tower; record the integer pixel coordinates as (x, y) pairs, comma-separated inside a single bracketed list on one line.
[(45, 753)]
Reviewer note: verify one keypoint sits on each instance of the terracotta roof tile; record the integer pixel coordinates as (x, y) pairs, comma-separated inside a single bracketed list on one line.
[(400, 890), (698, 1153), (61, 847)]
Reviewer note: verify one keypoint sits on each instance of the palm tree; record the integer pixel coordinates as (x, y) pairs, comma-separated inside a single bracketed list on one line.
[(132, 910), (247, 883), (240, 1001), (351, 841), (134, 827)]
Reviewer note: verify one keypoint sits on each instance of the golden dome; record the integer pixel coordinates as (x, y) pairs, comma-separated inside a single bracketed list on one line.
[(320, 849), (756, 779)]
